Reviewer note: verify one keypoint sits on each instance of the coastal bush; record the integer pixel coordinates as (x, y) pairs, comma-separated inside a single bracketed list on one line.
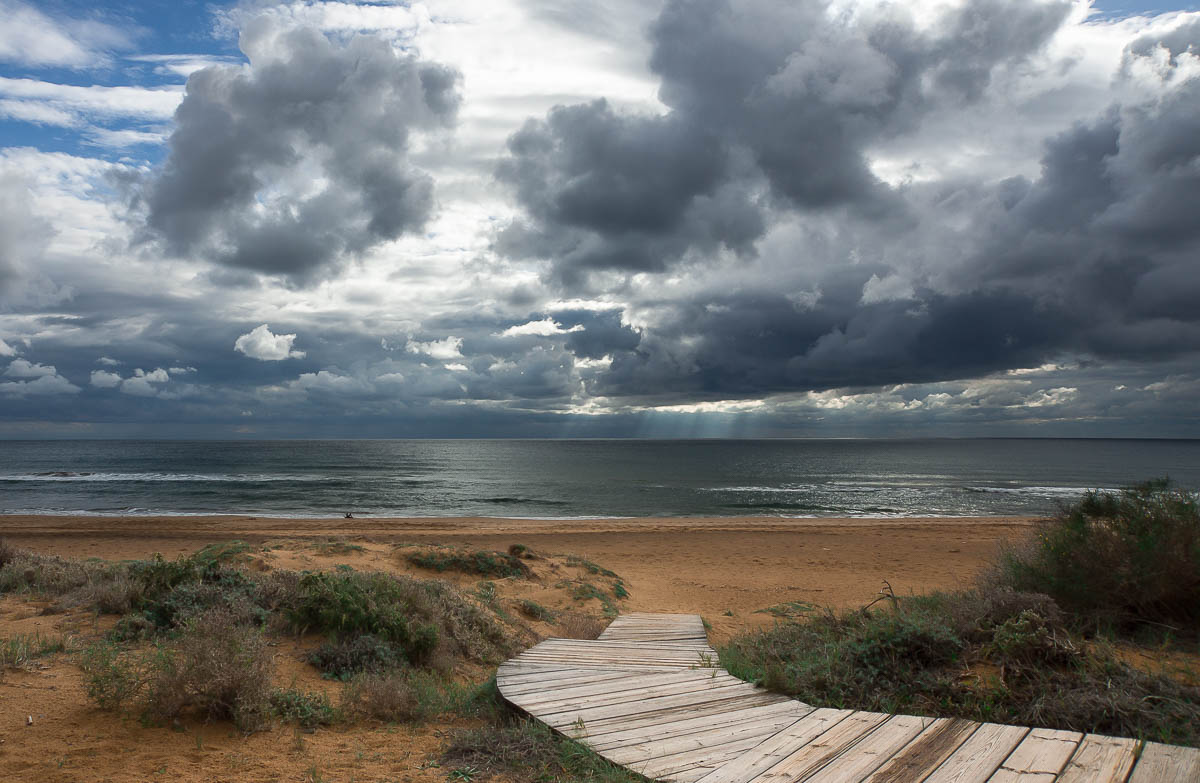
[(535, 611), (1117, 560), (218, 667), (524, 750), (343, 658), (481, 562), (350, 604), (418, 618), (305, 708), (1005, 657)]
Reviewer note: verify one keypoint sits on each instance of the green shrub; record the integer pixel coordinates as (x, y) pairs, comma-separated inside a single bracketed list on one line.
[(110, 678), (535, 611), (524, 751), (481, 562), (350, 604), (344, 658), (1003, 657), (307, 709), (1117, 560)]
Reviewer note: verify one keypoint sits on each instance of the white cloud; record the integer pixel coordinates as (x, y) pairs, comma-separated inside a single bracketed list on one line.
[(886, 289), (543, 328), (6, 349), (21, 368), (182, 370), (182, 65), (30, 37), (147, 103), (120, 139), (37, 113), (105, 380), (46, 384), (449, 348), (260, 343), (327, 381), (107, 361), (140, 384)]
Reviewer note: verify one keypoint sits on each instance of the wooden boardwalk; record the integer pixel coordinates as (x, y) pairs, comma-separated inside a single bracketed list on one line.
[(649, 694)]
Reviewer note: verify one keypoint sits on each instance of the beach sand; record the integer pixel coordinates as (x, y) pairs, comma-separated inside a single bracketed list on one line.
[(707, 566), (725, 569)]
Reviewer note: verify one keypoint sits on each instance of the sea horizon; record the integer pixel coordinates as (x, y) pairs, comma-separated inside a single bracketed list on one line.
[(580, 478)]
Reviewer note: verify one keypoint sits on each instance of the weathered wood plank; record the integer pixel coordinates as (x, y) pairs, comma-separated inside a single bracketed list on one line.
[(925, 752), (698, 740), (770, 752), (619, 737), (1161, 763), (649, 690), (1039, 758), (804, 763), (676, 711), (1101, 759), (651, 705), (873, 750), (978, 758)]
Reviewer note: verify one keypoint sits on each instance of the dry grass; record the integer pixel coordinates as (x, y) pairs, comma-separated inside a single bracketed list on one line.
[(579, 625)]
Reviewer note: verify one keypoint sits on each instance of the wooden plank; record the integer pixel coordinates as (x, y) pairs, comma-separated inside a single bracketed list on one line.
[(563, 680), (547, 704), (622, 682), (1161, 763), (978, 758), (770, 752), (925, 752), (805, 762), (867, 755), (618, 737), (588, 722), (680, 762), (1039, 758), (630, 709), (698, 740), (1099, 758), (662, 720)]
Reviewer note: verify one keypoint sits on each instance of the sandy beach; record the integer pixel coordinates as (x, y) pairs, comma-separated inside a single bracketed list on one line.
[(708, 566), (726, 569)]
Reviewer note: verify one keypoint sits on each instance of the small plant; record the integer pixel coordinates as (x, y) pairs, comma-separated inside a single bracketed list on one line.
[(481, 562), (535, 611), (306, 709), (110, 678), (21, 649), (344, 658), (592, 568)]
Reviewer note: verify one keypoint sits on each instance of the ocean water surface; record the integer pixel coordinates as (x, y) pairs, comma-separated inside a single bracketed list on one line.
[(578, 478)]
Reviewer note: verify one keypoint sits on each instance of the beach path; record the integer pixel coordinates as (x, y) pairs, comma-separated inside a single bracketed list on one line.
[(650, 695)]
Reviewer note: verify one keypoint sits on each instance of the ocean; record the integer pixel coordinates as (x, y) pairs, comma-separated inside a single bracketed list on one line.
[(565, 479)]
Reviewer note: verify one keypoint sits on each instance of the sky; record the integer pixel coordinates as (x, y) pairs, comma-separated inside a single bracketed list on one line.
[(638, 218)]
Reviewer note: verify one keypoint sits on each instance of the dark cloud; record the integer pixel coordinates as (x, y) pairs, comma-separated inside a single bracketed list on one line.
[(913, 283), (286, 165), (787, 92)]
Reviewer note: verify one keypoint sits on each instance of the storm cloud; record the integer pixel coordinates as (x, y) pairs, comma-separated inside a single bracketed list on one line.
[(784, 108), (289, 164), (547, 217)]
